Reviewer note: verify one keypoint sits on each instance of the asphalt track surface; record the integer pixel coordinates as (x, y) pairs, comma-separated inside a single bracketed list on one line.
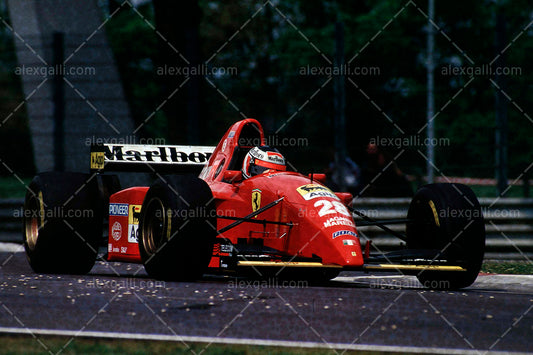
[(355, 311)]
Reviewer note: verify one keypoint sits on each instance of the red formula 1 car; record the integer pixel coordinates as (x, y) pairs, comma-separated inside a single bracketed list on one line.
[(277, 223)]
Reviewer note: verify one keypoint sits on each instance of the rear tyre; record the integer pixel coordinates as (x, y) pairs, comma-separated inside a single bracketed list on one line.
[(448, 218), (62, 223), (178, 228), (107, 186)]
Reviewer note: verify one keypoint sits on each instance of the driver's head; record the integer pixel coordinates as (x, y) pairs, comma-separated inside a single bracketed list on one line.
[(260, 159)]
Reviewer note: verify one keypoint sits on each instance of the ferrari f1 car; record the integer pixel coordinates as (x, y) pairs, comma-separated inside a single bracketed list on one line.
[(277, 223)]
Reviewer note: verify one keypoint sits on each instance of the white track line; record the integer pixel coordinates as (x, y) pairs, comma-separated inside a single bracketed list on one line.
[(240, 341), (11, 247)]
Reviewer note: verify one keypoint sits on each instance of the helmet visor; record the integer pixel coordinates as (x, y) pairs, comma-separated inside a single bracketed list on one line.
[(260, 166), (256, 169)]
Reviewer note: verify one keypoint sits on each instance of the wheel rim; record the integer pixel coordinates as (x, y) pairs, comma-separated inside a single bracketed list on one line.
[(31, 222), (154, 226)]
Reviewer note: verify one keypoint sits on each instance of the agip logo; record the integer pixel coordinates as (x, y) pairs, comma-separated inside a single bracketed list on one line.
[(97, 160), (311, 191), (133, 223)]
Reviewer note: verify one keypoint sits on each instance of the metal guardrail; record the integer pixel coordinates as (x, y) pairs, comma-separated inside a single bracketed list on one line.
[(509, 224), (11, 220)]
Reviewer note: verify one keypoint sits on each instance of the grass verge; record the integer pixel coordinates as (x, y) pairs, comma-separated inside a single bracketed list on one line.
[(21, 344), (11, 187), (508, 267)]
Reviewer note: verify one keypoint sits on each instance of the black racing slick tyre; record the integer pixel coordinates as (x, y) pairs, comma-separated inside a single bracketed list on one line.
[(447, 218), (178, 228), (62, 222), (107, 186)]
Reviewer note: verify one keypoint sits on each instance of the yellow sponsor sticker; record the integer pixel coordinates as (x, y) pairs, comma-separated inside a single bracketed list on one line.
[(133, 214), (133, 223), (97, 160), (311, 191)]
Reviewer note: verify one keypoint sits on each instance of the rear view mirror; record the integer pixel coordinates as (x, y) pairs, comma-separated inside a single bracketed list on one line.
[(318, 177), (232, 176)]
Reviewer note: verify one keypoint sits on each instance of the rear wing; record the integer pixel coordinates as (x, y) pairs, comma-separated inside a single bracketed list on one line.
[(150, 158)]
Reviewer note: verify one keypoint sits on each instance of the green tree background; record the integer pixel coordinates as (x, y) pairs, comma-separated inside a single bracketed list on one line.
[(270, 50), (270, 43)]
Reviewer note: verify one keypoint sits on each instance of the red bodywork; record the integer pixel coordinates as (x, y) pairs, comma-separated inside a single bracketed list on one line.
[(315, 224), (124, 208)]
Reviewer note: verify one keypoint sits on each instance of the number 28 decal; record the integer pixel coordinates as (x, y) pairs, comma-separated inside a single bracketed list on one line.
[(331, 207)]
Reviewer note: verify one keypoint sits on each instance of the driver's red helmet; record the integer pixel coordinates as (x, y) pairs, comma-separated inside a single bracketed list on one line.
[(260, 159)]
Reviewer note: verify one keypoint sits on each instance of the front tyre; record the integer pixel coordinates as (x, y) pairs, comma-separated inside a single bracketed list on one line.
[(448, 218), (178, 228)]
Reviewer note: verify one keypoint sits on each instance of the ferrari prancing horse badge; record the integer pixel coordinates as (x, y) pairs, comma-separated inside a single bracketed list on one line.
[(256, 199)]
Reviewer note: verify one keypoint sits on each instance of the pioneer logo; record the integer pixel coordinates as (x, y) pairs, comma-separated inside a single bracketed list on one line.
[(157, 154)]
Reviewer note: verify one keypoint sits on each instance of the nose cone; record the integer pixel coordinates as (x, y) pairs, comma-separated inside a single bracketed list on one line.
[(325, 228), (344, 247)]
